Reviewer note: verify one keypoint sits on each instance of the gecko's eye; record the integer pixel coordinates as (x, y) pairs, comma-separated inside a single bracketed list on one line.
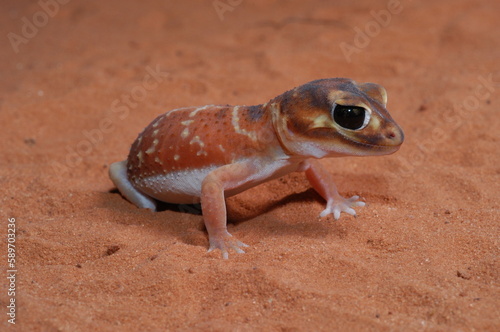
[(351, 117)]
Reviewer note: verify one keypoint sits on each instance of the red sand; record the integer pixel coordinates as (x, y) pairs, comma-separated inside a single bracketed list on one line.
[(423, 253)]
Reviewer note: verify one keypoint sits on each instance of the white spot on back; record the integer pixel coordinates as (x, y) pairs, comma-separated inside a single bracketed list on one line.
[(185, 132), (197, 140), (235, 120), (152, 148), (139, 156), (155, 124), (187, 122), (193, 113), (176, 110)]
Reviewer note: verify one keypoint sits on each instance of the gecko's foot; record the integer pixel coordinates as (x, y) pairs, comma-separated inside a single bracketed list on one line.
[(225, 241), (341, 205)]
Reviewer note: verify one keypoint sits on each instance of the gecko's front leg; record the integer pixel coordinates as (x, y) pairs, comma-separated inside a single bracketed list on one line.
[(213, 205), (322, 181)]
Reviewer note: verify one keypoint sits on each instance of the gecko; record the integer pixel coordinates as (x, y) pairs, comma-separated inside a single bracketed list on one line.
[(204, 154)]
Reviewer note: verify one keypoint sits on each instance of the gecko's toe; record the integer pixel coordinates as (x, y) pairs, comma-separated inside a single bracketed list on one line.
[(225, 241), (336, 207)]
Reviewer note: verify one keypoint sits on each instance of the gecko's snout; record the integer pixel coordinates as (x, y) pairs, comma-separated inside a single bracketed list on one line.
[(395, 137)]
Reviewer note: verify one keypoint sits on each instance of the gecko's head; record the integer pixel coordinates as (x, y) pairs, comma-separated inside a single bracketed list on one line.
[(336, 117)]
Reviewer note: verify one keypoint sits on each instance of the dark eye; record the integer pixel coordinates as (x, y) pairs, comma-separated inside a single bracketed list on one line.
[(351, 117)]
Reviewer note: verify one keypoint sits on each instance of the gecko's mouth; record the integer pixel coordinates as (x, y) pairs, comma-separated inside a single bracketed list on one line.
[(389, 140), (366, 147)]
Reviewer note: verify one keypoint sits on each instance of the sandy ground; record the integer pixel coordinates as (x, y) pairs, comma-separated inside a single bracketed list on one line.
[(422, 255)]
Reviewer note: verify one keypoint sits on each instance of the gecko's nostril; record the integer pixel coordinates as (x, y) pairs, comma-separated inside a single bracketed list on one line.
[(394, 137)]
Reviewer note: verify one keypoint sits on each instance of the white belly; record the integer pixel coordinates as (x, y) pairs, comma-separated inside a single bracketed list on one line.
[(184, 187)]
